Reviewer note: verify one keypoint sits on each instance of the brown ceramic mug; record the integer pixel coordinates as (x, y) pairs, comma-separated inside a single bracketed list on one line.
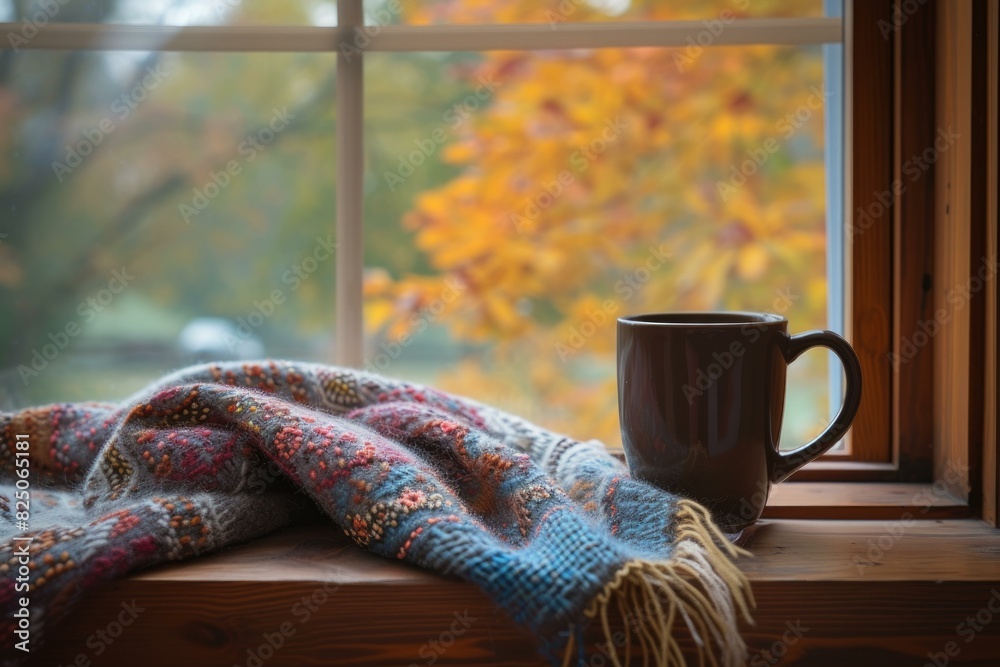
[(700, 400)]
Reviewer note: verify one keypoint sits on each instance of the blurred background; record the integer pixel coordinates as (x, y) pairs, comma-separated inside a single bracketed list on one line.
[(158, 209)]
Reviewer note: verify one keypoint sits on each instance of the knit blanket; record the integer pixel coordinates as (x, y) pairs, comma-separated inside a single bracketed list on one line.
[(553, 529)]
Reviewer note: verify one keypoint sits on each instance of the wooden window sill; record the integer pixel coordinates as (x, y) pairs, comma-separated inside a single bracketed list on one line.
[(808, 499), (831, 468), (863, 500), (878, 592)]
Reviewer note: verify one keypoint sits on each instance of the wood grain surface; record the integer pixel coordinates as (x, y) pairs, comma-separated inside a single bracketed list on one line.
[(861, 592), (870, 242), (862, 500)]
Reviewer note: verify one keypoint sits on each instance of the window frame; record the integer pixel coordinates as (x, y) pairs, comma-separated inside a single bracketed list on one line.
[(889, 254)]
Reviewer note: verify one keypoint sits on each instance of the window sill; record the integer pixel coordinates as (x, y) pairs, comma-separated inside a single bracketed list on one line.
[(808, 495), (830, 469), (889, 591), (862, 500)]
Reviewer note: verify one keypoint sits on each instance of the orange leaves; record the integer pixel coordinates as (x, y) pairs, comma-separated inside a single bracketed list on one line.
[(500, 312), (580, 163)]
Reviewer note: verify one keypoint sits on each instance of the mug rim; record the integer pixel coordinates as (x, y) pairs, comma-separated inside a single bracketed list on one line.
[(713, 318)]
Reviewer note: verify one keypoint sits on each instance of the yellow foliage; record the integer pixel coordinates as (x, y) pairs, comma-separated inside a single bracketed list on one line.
[(581, 164)]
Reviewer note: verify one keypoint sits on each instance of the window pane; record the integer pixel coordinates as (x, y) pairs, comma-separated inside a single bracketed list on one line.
[(384, 12), (168, 12), (548, 193), (159, 209)]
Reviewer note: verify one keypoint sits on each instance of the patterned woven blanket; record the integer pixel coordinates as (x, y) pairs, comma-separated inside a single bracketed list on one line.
[(554, 530)]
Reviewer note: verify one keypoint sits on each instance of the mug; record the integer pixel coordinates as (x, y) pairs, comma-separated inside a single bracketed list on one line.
[(700, 402)]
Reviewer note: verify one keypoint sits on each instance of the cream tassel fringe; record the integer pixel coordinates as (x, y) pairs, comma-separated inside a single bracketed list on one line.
[(699, 585)]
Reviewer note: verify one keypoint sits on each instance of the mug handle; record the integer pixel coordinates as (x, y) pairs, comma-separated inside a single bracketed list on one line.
[(784, 464)]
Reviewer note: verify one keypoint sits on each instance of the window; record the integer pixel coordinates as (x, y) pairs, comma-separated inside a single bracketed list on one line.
[(530, 172), (143, 198)]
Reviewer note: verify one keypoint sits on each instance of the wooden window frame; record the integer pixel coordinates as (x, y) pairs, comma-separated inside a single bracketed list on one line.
[(882, 292), (965, 213), (930, 417), (938, 72)]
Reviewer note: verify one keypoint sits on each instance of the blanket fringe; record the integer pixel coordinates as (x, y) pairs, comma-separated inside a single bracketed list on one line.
[(699, 584)]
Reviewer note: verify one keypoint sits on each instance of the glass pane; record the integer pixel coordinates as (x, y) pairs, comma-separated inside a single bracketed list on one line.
[(33, 13), (717, 12), (160, 209), (518, 203)]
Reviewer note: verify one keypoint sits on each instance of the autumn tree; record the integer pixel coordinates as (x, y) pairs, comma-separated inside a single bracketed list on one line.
[(602, 182)]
